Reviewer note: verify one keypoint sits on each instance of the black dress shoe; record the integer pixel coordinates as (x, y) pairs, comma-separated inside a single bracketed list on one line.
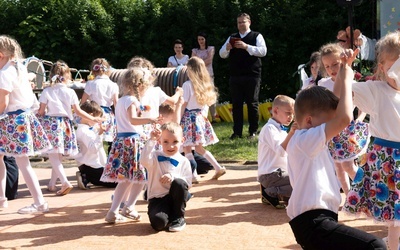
[(235, 136)]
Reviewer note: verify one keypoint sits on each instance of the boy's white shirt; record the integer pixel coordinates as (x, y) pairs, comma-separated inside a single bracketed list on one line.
[(156, 169), (312, 173), (91, 151), (271, 154)]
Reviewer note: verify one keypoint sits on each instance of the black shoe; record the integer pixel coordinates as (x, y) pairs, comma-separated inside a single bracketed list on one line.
[(190, 195), (274, 201), (235, 136), (81, 179), (177, 225)]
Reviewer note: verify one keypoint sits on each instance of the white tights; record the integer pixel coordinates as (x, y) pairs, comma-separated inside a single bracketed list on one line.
[(30, 178), (344, 170), (57, 169), (122, 190)]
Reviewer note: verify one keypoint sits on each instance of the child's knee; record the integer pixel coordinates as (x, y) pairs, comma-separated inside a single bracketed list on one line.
[(159, 222)]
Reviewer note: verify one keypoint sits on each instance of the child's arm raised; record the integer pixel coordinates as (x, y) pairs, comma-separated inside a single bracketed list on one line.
[(344, 110), (134, 119)]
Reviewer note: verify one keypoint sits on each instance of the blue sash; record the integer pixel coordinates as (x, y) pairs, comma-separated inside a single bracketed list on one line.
[(386, 143), (128, 134), (106, 109), (16, 112)]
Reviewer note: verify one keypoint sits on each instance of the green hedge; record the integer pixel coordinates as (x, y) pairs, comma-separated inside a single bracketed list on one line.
[(78, 31)]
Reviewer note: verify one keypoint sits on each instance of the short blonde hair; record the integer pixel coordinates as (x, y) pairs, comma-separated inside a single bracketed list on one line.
[(172, 127), (282, 100)]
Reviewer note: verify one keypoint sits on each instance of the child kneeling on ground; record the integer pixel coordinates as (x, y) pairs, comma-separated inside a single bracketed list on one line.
[(272, 157), (92, 156), (169, 178)]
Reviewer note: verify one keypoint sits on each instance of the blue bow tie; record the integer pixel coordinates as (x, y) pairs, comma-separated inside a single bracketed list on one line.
[(174, 162), (284, 128)]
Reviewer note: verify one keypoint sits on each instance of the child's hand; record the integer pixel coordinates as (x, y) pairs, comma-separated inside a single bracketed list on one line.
[(166, 179), (179, 90), (348, 56), (180, 102), (99, 119), (156, 120), (102, 128), (294, 127), (155, 134)]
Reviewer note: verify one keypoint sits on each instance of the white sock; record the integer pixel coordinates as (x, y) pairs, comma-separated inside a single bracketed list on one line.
[(209, 157), (135, 191), (57, 167), (3, 178), (31, 179), (119, 194)]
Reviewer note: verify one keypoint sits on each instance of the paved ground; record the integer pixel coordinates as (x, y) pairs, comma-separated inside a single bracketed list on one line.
[(223, 214)]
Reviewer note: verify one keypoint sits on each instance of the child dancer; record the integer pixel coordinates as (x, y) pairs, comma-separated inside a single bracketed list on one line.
[(21, 133), (315, 200), (105, 93), (122, 164), (169, 178), (55, 115), (150, 96), (353, 140), (375, 188), (272, 158), (198, 93), (92, 156)]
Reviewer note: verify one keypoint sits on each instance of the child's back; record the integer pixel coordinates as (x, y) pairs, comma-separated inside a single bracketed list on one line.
[(314, 204)]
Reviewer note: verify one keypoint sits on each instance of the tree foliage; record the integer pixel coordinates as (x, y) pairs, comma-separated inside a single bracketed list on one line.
[(77, 31)]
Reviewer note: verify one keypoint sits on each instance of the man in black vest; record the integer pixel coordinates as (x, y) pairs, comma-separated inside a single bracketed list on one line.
[(244, 50)]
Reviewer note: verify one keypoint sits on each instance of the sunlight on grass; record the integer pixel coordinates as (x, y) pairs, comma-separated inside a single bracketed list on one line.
[(233, 150)]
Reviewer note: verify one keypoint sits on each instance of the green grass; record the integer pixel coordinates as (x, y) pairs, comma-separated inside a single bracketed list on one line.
[(226, 149)]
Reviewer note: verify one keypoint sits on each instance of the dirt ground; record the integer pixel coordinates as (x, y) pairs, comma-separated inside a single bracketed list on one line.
[(223, 214)]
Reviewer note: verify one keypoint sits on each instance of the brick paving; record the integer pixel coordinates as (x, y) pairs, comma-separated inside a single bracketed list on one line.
[(223, 214)]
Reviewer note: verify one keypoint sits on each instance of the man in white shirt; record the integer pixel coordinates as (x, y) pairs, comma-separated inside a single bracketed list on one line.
[(244, 50)]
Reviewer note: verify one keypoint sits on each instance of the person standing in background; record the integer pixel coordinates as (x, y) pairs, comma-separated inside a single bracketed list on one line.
[(206, 52), (244, 50), (179, 58)]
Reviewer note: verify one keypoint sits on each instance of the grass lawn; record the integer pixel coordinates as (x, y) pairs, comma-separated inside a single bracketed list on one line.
[(241, 149)]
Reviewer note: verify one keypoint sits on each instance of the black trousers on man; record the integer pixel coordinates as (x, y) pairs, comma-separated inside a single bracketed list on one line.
[(244, 89)]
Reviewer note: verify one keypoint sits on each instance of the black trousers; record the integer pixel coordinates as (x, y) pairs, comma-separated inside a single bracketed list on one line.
[(319, 229), (172, 206), (12, 177), (93, 176), (244, 89)]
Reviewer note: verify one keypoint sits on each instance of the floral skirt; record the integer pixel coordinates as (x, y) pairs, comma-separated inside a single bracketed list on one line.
[(22, 134), (61, 134), (109, 124), (123, 162), (197, 129), (350, 143), (376, 187)]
